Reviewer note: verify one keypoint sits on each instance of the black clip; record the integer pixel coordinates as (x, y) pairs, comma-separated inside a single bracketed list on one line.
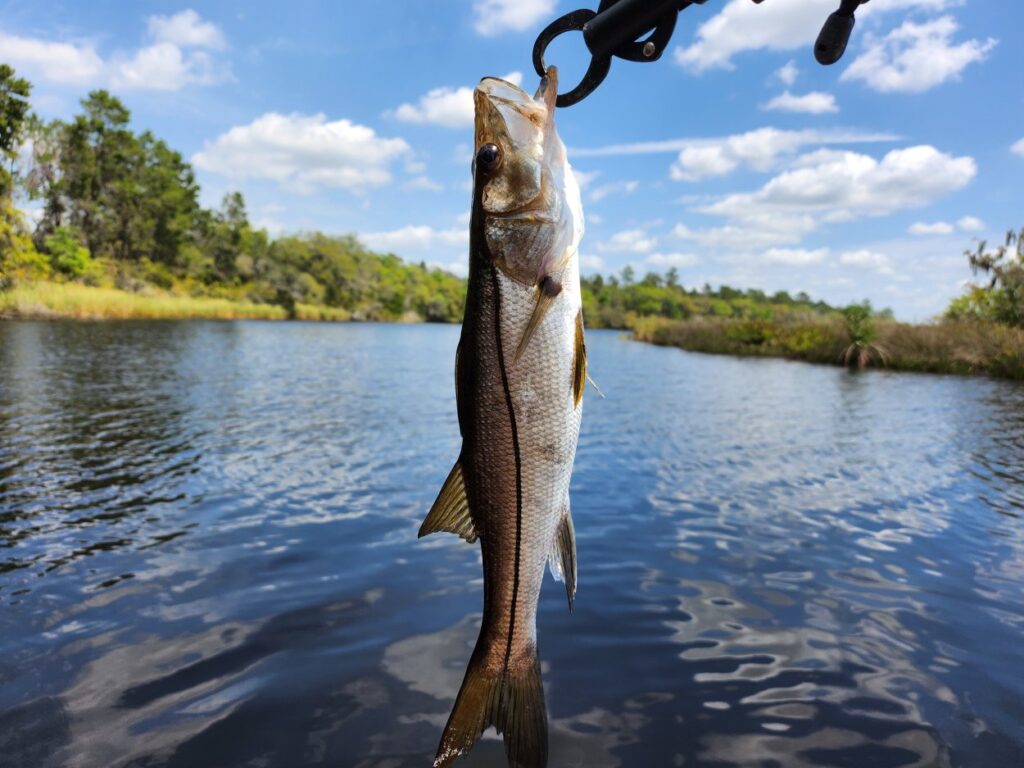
[(835, 35), (613, 30)]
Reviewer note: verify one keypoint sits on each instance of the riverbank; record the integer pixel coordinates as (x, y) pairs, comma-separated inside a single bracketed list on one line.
[(957, 347), (44, 299)]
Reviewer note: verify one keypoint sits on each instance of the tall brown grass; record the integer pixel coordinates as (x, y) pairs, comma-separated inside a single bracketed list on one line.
[(961, 347)]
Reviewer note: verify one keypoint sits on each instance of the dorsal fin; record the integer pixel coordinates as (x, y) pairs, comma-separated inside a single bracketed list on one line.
[(579, 374), (450, 512)]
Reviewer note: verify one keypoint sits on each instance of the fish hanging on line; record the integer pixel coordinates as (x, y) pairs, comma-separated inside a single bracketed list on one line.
[(520, 369)]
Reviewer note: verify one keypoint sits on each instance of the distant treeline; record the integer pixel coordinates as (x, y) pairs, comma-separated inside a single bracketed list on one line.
[(118, 209)]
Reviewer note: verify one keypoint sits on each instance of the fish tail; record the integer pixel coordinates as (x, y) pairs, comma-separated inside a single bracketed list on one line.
[(511, 700)]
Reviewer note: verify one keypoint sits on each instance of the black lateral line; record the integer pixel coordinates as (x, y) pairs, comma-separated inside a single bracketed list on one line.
[(519, 468)]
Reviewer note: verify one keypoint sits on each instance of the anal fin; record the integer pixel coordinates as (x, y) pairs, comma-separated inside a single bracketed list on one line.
[(562, 558), (450, 512)]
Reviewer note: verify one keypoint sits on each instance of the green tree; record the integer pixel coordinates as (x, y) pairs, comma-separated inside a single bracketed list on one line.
[(14, 106)]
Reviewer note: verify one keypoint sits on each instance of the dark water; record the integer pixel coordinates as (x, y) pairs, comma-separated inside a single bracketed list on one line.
[(208, 557)]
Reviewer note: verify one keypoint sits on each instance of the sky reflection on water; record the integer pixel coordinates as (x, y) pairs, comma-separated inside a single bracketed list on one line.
[(208, 556)]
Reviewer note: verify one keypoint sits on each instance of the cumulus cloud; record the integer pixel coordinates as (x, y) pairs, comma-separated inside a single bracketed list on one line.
[(840, 186), (971, 224), (788, 73), (629, 241), (1018, 148), (177, 55), (779, 25), (613, 188), (303, 152), (759, 150), (753, 233), (492, 17), (794, 257), (813, 103), (186, 29), (933, 228), (916, 57), (864, 259), (424, 183), (64, 63), (591, 261), (165, 67), (672, 260), (416, 238), (446, 106)]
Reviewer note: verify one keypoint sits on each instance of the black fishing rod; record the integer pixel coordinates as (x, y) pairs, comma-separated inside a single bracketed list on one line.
[(640, 30)]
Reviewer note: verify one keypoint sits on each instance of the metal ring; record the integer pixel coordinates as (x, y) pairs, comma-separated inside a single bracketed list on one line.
[(571, 22), (596, 72)]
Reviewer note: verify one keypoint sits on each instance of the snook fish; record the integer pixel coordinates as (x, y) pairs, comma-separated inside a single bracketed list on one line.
[(520, 370)]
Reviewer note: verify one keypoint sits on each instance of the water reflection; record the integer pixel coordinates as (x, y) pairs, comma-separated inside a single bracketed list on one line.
[(208, 557)]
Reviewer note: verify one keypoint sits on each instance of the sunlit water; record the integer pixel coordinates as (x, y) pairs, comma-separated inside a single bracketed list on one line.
[(208, 557)]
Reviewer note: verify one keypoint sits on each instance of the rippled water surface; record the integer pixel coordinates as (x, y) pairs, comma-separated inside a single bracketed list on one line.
[(208, 557)]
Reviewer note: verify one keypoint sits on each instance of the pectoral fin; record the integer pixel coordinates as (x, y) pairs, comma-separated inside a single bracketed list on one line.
[(547, 290), (579, 375), (450, 512), (562, 558)]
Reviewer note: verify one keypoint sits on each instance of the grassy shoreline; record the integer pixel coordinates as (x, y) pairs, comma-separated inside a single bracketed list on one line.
[(51, 300), (952, 347)]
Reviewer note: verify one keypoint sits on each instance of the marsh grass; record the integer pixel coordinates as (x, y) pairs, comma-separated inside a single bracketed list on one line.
[(73, 300), (961, 347)]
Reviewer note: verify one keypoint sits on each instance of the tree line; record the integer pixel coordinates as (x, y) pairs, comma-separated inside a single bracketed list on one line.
[(121, 208)]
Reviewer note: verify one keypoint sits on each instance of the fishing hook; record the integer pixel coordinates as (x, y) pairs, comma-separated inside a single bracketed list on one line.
[(640, 30)]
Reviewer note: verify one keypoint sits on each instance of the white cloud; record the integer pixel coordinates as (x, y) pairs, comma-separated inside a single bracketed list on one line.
[(613, 188), (496, 16), (629, 241), (787, 74), (422, 183), (416, 238), (162, 65), (450, 107), (186, 29), (794, 257), (1018, 148), (672, 260), (933, 228), (916, 57), (585, 178), (778, 25), (813, 103), (165, 67), (760, 150), (591, 261), (806, 138), (971, 224), (753, 233), (840, 186), (65, 63), (865, 259), (303, 152)]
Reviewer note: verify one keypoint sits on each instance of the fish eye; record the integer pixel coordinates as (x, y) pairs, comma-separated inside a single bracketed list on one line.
[(488, 158)]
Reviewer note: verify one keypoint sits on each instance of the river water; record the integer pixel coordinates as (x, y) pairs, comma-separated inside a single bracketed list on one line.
[(208, 556)]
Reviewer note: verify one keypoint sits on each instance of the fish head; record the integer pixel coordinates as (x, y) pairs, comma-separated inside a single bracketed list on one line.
[(525, 191)]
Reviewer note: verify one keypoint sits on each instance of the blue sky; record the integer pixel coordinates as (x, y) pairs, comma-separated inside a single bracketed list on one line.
[(736, 158)]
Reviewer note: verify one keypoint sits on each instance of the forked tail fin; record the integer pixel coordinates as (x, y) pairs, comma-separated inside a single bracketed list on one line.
[(513, 702)]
